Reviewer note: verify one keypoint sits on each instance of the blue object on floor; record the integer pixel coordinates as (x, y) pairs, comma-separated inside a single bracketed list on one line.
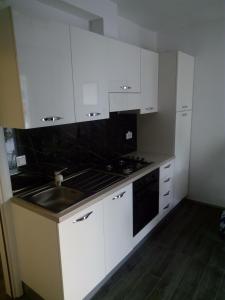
[(222, 224)]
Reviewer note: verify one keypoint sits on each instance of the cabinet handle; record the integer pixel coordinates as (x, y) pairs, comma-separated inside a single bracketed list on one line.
[(167, 167), (166, 194), (167, 180), (149, 108), (185, 114), (185, 106), (126, 87), (167, 206), (93, 114), (51, 119), (84, 217), (118, 196)]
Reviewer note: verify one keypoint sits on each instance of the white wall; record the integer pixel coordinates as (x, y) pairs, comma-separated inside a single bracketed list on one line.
[(207, 165), (102, 8), (133, 34), (114, 26)]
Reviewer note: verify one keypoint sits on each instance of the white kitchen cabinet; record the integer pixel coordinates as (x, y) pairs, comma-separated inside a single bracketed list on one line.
[(123, 67), (166, 188), (118, 226), (36, 77), (89, 57), (170, 129), (124, 101), (82, 252), (185, 76), (61, 261), (182, 153), (149, 81)]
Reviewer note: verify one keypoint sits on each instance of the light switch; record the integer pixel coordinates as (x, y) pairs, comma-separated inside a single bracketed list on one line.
[(129, 135), (21, 160)]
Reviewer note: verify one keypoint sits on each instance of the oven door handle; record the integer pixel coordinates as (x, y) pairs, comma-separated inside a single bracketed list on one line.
[(119, 196)]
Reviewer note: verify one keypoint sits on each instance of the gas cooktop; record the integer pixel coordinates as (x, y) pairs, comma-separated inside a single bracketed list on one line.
[(125, 165)]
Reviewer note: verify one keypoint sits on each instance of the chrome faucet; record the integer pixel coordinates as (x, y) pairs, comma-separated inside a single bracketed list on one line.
[(58, 177)]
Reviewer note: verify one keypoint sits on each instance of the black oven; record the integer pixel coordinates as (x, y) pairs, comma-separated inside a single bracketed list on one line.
[(145, 200)]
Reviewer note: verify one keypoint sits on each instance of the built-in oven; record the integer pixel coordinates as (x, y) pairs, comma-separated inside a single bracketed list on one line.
[(145, 200)]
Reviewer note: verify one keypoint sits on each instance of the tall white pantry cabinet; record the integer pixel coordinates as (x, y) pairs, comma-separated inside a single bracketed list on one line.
[(169, 131)]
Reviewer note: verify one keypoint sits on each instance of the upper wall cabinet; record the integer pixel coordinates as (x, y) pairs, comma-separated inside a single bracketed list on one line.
[(123, 67), (149, 81), (89, 52), (36, 72), (185, 75)]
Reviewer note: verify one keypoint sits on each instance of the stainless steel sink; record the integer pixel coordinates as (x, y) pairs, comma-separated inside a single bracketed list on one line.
[(56, 199)]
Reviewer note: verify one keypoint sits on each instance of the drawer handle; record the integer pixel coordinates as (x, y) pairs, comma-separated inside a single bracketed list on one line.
[(83, 218), (93, 114), (166, 194), (167, 180), (118, 196), (168, 166), (184, 115), (185, 106), (149, 108), (126, 87), (51, 119), (167, 206)]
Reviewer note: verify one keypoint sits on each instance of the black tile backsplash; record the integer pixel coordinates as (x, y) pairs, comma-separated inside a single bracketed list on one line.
[(76, 145)]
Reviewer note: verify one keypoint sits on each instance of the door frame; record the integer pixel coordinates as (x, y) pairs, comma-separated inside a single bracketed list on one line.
[(8, 251)]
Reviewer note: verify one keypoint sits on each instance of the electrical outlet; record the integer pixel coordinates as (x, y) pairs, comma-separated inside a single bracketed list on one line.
[(129, 135), (21, 160)]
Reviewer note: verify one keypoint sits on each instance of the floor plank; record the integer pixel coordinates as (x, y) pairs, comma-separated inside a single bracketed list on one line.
[(209, 284)]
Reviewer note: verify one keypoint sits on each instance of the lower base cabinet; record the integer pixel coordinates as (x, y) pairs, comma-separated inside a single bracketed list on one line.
[(118, 226), (81, 242), (67, 260), (166, 189)]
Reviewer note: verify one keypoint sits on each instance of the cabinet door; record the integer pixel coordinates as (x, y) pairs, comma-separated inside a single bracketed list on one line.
[(124, 101), (149, 81), (182, 154), (123, 67), (82, 252), (118, 226), (45, 71), (185, 77), (89, 75)]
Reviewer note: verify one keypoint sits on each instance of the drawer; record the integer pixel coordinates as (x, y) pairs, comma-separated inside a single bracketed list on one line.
[(166, 200), (165, 185), (166, 171)]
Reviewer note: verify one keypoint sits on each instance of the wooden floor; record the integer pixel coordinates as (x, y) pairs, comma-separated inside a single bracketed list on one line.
[(184, 259)]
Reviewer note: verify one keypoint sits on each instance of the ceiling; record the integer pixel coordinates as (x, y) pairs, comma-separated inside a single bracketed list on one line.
[(170, 15)]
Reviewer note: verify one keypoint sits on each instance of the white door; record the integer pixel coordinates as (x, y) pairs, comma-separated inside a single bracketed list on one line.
[(149, 81), (182, 155), (185, 78), (45, 71), (89, 57), (123, 67), (118, 226), (82, 252)]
